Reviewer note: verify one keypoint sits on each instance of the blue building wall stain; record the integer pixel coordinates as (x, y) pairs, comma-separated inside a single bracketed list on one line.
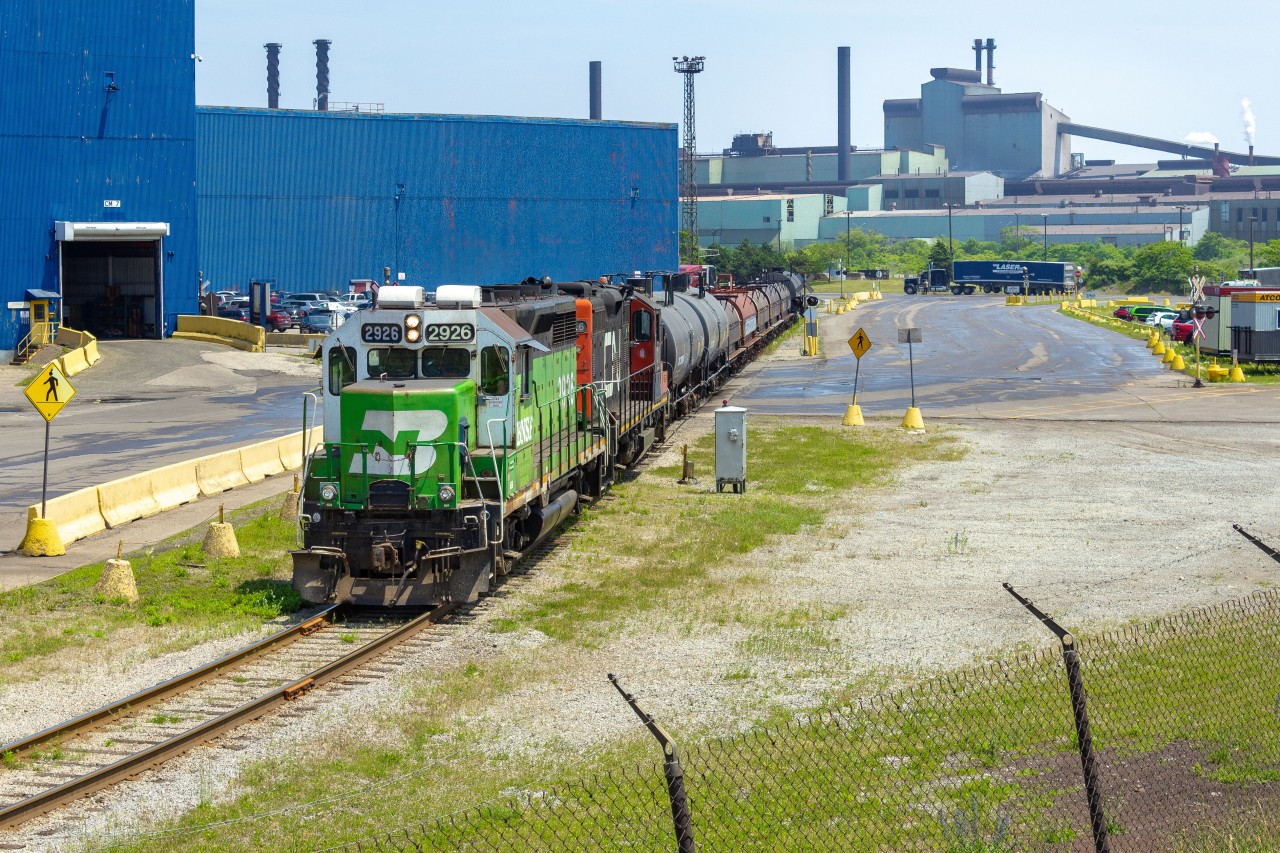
[(313, 200), (98, 104)]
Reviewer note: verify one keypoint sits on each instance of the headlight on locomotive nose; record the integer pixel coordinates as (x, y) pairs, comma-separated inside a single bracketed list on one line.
[(446, 494), (329, 491), (412, 328)]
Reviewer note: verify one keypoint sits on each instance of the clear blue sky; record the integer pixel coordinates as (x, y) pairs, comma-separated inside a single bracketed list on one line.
[(1158, 68)]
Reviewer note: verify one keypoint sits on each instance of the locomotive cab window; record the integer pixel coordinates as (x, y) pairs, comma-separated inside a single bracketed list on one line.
[(445, 363), (495, 366), (641, 326), (342, 368), (395, 362)]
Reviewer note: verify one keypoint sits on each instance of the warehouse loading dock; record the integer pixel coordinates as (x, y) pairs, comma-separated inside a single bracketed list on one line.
[(111, 276)]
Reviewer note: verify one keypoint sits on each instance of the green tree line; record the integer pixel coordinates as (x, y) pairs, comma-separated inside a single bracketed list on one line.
[(1160, 266)]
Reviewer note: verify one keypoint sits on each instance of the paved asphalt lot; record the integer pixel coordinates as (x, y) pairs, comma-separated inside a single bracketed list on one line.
[(981, 359), (146, 404)]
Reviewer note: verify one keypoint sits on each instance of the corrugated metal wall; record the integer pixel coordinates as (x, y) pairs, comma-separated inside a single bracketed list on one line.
[(313, 200), (68, 144)]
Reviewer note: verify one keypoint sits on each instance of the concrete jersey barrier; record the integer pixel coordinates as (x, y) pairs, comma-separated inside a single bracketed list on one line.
[(76, 515), (220, 329), (262, 460), (127, 499)]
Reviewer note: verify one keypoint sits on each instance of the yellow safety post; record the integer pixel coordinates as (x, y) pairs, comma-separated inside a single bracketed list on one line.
[(41, 539), (912, 419), (1217, 373), (289, 508), (1152, 339), (1178, 363), (852, 416), (1236, 374), (117, 579)]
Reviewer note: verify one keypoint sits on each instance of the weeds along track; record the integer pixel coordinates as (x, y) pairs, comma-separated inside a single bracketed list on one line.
[(337, 648), (99, 749)]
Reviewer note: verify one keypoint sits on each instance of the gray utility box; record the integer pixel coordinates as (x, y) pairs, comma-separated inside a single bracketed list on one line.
[(731, 448)]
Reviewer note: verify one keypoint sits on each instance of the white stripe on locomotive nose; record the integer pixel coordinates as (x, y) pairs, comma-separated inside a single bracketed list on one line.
[(428, 425), (392, 466)]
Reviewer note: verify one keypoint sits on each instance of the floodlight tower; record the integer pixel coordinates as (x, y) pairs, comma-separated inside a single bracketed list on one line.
[(688, 66)]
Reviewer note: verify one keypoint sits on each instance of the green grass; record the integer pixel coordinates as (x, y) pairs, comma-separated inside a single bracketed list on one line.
[(1255, 373), (645, 553), (183, 599), (887, 285)]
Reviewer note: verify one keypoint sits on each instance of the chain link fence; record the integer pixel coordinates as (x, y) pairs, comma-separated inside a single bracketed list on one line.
[(1164, 736)]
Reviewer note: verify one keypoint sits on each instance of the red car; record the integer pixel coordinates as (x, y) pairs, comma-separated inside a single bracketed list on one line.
[(1123, 312), (1182, 331), (276, 320)]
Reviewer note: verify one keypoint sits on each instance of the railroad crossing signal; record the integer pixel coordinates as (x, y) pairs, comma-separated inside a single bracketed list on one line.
[(860, 343), (50, 391), (1198, 334)]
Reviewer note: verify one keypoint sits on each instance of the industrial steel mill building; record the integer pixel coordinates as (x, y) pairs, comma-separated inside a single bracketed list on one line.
[(122, 197)]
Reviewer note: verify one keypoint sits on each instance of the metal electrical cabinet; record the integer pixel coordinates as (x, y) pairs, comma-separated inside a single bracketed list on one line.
[(731, 448)]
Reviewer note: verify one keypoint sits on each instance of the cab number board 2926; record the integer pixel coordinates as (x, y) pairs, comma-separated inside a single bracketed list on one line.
[(381, 333), (442, 333)]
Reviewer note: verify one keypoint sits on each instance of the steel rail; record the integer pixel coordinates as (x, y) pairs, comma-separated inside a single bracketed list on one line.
[(165, 689), (154, 756)]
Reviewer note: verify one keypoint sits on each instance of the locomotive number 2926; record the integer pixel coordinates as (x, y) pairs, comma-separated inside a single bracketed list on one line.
[(380, 333), (449, 333)]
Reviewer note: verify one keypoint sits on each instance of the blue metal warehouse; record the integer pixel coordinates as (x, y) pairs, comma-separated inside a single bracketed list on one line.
[(313, 199), (111, 167)]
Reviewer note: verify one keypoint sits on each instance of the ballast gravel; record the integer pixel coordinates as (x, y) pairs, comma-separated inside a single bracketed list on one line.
[(1099, 523)]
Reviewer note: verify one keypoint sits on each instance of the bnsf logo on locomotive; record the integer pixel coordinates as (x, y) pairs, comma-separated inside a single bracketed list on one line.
[(380, 333), (443, 333)]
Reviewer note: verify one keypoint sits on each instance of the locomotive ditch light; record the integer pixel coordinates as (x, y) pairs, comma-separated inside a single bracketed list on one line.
[(446, 494), (329, 491)]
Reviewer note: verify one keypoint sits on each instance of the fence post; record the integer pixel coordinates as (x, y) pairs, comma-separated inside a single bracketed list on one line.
[(1084, 736), (680, 816)]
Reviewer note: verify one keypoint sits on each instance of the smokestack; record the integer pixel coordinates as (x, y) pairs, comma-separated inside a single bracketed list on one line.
[(843, 128), (273, 75), (991, 62), (977, 57), (1250, 155), (322, 73), (594, 73)]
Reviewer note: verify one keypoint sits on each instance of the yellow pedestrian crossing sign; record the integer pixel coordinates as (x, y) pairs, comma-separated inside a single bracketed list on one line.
[(50, 391), (860, 343)]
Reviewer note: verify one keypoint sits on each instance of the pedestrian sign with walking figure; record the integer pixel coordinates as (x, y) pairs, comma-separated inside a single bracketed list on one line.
[(50, 391)]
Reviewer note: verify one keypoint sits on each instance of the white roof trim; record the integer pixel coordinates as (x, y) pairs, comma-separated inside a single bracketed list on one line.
[(70, 232)]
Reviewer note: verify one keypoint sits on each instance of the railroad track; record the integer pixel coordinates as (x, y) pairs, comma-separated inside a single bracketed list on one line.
[(104, 747)]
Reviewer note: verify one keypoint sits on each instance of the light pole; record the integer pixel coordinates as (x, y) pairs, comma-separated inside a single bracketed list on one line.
[(951, 252), (1181, 234), (1045, 217), (1252, 219), (1017, 232)]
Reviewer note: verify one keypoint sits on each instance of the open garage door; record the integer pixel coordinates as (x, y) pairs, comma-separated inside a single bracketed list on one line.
[(112, 278)]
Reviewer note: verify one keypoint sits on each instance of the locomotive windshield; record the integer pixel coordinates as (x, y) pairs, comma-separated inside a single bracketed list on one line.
[(445, 363), (393, 362)]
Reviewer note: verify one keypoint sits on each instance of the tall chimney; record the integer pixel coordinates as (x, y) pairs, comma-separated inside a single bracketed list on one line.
[(991, 62), (843, 129), (322, 73), (1251, 155), (977, 57), (596, 112), (273, 75)]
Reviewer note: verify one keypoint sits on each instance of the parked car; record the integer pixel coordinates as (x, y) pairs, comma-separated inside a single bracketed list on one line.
[(1123, 312), (1140, 313), (1182, 331), (322, 321), (276, 320), (234, 312), (1163, 318)]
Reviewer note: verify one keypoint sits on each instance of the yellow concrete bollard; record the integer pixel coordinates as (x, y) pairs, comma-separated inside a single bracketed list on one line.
[(1236, 374), (42, 539), (1166, 301), (912, 419), (1169, 355), (289, 507), (852, 416), (117, 579), (220, 540), (1178, 363), (1217, 373), (1152, 339)]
